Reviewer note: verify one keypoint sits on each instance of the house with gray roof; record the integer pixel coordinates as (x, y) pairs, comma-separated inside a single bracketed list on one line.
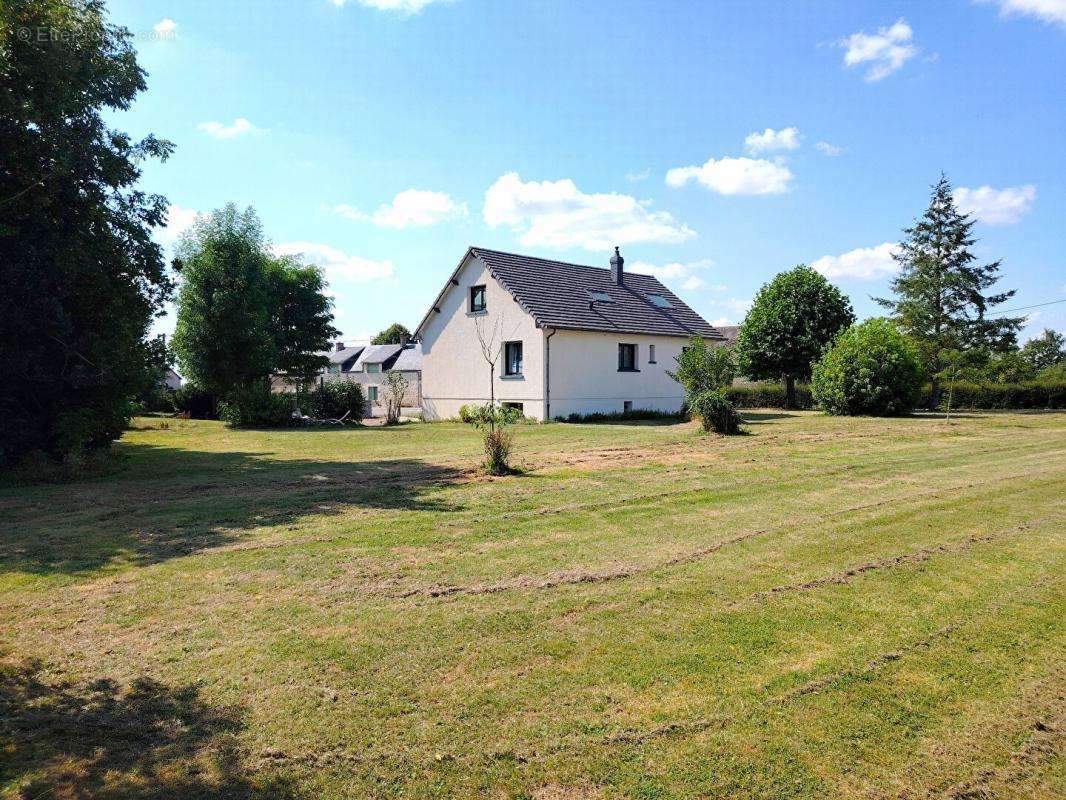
[(561, 338), (367, 365)]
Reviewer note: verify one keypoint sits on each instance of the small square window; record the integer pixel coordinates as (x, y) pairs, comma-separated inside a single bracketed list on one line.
[(512, 358), (477, 299), (372, 394), (627, 406), (373, 368), (627, 358), (600, 297), (519, 407), (651, 354)]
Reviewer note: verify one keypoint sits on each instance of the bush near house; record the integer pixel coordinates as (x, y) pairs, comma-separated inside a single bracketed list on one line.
[(715, 411), (257, 407), (871, 369), (334, 399)]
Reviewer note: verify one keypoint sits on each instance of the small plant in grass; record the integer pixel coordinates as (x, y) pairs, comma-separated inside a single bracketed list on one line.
[(492, 421), (715, 411)]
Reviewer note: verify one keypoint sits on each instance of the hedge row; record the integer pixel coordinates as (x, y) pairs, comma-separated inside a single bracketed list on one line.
[(1029, 395), (1032, 394), (767, 395)]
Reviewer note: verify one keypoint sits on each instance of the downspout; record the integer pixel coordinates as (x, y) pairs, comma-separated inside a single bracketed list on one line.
[(548, 376)]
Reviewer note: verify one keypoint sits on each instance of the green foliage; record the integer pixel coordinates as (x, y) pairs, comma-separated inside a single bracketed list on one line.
[(768, 395), (701, 368), (1040, 394), (194, 401), (492, 419), (636, 415), (257, 407), (1048, 350), (334, 399), (940, 293), (81, 277), (1054, 373), (394, 334), (244, 314), (870, 369), (301, 320), (791, 321), (715, 412)]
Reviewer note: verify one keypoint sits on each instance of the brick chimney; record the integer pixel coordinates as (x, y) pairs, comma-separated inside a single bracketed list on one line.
[(616, 266), (338, 346)]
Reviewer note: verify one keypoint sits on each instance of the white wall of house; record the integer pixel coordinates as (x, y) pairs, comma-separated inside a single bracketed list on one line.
[(585, 376), (454, 371)]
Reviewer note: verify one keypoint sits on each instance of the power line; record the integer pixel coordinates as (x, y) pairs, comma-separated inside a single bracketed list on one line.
[(1023, 308)]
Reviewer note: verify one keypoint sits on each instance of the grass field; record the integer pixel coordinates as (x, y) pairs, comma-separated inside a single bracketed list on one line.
[(825, 607)]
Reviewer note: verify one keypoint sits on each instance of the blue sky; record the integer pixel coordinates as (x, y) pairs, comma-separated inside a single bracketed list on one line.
[(717, 143)]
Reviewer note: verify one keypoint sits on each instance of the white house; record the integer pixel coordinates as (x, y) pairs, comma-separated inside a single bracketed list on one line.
[(565, 338)]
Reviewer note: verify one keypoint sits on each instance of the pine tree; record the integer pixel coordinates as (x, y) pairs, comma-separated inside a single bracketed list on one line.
[(941, 300)]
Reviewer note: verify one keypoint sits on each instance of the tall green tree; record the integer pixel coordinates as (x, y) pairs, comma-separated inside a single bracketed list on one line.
[(301, 317), (81, 277), (791, 321), (1046, 350), (223, 338), (394, 334), (244, 313), (941, 292)]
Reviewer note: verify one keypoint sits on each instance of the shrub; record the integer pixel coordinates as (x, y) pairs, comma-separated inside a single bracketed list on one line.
[(257, 407), (396, 384), (195, 401), (701, 368), (334, 399), (467, 414), (767, 395), (715, 412), (498, 443), (1032, 394), (636, 414), (871, 368)]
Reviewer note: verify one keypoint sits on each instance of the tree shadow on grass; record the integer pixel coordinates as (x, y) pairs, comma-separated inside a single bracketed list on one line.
[(146, 741), (760, 417), (172, 502)]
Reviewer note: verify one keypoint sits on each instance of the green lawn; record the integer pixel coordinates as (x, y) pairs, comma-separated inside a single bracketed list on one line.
[(825, 607)]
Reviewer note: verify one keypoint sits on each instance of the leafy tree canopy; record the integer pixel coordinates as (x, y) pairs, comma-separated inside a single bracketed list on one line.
[(394, 334), (791, 321), (243, 313), (703, 369), (80, 273)]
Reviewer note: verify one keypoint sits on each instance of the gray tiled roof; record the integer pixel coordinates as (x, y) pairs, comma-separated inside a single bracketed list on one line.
[(556, 294), (376, 354), (347, 354), (410, 358)]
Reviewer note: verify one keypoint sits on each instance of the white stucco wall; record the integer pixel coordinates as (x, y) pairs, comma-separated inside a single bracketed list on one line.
[(585, 376), (454, 371)]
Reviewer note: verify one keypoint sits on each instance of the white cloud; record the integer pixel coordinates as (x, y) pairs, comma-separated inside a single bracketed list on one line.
[(862, 262), (406, 7), (737, 308), (770, 140), (338, 265), (166, 28), (996, 206), (829, 149), (558, 214), (684, 275), (220, 131), (178, 219), (1047, 10), (884, 52), (411, 208), (730, 175)]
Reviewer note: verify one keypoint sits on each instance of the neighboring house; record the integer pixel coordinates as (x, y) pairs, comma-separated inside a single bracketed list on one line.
[(367, 365), (729, 334), (172, 380), (569, 338)]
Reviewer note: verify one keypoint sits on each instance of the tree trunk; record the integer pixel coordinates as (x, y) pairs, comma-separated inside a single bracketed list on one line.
[(790, 392), (934, 393)]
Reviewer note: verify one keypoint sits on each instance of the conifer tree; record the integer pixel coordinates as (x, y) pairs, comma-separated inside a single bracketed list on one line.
[(940, 292)]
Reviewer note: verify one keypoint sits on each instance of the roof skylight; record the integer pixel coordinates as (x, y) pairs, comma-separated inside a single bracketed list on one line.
[(659, 301), (601, 297)]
